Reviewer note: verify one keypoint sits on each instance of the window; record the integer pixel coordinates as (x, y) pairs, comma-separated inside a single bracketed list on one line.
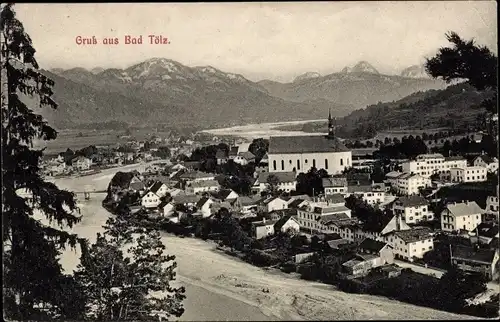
[(290, 161), (298, 164), (341, 161), (314, 163), (305, 161), (282, 165), (274, 165), (326, 164)]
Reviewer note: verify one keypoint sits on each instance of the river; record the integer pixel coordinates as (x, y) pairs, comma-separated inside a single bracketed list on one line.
[(220, 287)]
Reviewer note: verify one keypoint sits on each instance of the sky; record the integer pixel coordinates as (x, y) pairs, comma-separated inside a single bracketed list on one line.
[(277, 41)]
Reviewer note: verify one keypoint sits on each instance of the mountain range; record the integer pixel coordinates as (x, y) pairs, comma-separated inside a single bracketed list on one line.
[(163, 91)]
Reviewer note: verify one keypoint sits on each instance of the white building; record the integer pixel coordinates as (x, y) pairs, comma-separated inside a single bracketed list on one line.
[(486, 161), (373, 194), (275, 203), (202, 186), (150, 200), (311, 215), (492, 204), (412, 243), (412, 209), (159, 188), (301, 153), (263, 228), (286, 181), (461, 216), (335, 185), (468, 174), (429, 164), (244, 158), (409, 184), (287, 224), (81, 163), (204, 207)]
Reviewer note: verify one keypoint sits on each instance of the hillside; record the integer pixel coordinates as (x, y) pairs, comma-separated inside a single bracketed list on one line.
[(168, 92), (358, 86), (456, 106)]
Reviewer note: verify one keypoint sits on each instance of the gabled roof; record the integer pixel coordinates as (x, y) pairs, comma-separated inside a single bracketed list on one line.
[(486, 159), (337, 243), (359, 188), (464, 208), (222, 194), (146, 193), (202, 202), (393, 174), (335, 199), (282, 176), (204, 184), (330, 210), (486, 229), (338, 218), (296, 203), (138, 185), (372, 245), (196, 175), (334, 182), (411, 201), (413, 235), (282, 221), (262, 224), (247, 155), (304, 144), (156, 186), (183, 199), (471, 254), (247, 201)]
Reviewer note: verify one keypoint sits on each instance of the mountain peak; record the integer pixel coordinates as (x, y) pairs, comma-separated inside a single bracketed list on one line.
[(415, 71), (307, 75), (364, 67)]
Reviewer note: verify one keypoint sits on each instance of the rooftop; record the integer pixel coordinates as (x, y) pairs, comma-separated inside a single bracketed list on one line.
[(411, 201), (464, 208), (487, 159), (247, 155), (196, 175), (183, 199), (335, 199), (469, 253), (283, 220), (334, 182), (371, 245), (156, 186), (414, 235), (266, 223), (454, 158), (430, 156), (304, 144), (204, 183), (282, 176)]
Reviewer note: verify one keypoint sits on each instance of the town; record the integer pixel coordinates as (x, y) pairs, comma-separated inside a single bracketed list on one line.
[(311, 205)]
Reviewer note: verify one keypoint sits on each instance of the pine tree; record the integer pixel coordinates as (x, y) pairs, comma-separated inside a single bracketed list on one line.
[(32, 274)]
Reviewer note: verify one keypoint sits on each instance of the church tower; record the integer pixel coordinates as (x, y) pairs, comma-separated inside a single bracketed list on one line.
[(331, 126)]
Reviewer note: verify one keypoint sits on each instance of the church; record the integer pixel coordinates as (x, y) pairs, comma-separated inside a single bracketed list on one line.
[(301, 153)]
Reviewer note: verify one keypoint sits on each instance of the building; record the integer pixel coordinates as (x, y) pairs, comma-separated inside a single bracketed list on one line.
[(382, 230), (204, 206), (274, 203), (487, 232), (316, 216), (244, 158), (412, 243), (287, 224), (412, 209), (221, 156), (428, 164), (264, 228), (286, 181), (477, 260), (410, 184), (150, 200), (492, 205), (225, 195), (81, 163), (461, 216), (491, 164), (371, 254), (335, 185), (186, 200), (202, 186), (468, 174), (193, 176), (233, 152), (372, 194), (301, 153), (136, 184), (159, 188)]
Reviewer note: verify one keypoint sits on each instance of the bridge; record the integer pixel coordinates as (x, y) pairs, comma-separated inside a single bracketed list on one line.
[(88, 191)]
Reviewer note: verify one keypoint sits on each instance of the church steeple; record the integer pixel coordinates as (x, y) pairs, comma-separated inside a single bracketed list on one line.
[(331, 125)]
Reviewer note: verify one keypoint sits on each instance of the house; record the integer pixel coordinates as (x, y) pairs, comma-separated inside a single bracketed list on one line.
[(371, 254), (247, 204), (186, 200), (457, 216), (244, 158), (264, 228), (285, 181), (382, 229), (468, 174), (491, 164), (492, 205), (192, 176), (159, 188), (274, 203), (233, 152), (335, 185), (204, 206), (412, 243), (136, 184), (372, 194), (426, 165), (202, 186), (301, 153), (150, 200), (57, 167), (412, 209), (287, 224), (225, 195), (221, 156), (486, 232), (265, 159), (410, 184), (477, 260), (167, 208), (81, 163)]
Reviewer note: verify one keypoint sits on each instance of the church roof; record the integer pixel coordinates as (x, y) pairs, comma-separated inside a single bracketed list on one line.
[(304, 144)]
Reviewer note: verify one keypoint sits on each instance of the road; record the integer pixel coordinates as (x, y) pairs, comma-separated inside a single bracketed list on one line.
[(494, 286)]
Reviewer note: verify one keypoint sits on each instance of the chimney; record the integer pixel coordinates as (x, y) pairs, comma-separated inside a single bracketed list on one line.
[(264, 220)]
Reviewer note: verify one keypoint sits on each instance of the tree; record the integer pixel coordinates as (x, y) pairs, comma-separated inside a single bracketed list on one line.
[(31, 274), (466, 60), (259, 148), (273, 182), (129, 286)]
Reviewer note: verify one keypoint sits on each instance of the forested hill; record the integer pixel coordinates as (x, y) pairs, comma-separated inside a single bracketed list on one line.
[(456, 106)]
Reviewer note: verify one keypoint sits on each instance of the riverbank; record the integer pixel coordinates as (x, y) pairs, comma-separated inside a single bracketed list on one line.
[(220, 287)]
